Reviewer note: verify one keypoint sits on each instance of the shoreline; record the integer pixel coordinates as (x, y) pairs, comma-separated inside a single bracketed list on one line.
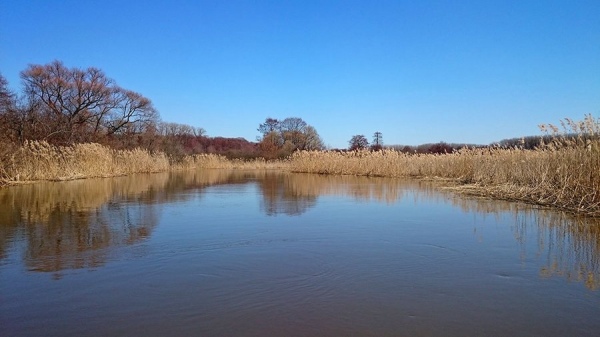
[(544, 176)]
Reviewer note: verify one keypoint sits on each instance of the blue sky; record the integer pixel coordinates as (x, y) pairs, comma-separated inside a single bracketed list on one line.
[(417, 71)]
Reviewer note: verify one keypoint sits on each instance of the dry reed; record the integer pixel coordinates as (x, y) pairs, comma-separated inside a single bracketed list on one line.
[(215, 161), (38, 160), (564, 173)]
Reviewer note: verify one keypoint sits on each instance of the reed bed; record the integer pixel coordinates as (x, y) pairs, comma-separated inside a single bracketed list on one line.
[(215, 161), (564, 173), (567, 178), (38, 160)]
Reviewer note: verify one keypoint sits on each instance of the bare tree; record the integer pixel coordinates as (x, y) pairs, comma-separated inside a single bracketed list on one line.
[(71, 97), (358, 142), (270, 125), (177, 129), (293, 124), (19, 116), (130, 108), (83, 104), (288, 135), (312, 140), (7, 98), (7, 110)]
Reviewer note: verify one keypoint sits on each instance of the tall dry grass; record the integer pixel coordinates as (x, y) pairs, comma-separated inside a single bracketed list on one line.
[(564, 173), (38, 160), (215, 161)]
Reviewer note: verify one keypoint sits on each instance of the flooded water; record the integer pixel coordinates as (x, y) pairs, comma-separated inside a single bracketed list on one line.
[(241, 253)]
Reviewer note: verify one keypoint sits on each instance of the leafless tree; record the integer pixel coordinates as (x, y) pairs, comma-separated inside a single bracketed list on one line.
[(72, 98), (270, 125), (130, 108), (358, 142), (288, 135), (83, 104), (312, 139), (7, 98)]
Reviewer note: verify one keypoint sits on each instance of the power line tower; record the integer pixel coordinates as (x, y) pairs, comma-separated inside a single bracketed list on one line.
[(377, 141)]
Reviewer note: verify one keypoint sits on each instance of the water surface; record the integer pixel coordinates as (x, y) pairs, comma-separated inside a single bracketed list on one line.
[(254, 253)]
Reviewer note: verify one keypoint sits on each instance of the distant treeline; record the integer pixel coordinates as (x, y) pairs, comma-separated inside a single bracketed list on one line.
[(525, 143), (64, 106), (437, 148)]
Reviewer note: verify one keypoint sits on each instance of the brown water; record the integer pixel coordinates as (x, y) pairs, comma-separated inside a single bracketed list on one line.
[(226, 253)]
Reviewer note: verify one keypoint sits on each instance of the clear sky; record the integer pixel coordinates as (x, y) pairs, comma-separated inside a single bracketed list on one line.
[(417, 71)]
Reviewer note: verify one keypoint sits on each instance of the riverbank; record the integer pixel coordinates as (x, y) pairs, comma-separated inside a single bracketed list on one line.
[(563, 174), (38, 160)]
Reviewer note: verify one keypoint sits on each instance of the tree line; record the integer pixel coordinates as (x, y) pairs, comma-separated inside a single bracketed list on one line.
[(63, 106)]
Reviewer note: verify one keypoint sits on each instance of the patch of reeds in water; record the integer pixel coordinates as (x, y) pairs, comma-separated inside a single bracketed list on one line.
[(564, 173), (215, 161), (38, 160)]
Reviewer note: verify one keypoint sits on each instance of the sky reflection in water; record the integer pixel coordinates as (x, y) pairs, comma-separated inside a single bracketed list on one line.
[(255, 253)]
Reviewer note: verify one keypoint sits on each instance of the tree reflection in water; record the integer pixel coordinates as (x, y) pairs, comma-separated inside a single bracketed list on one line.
[(77, 224)]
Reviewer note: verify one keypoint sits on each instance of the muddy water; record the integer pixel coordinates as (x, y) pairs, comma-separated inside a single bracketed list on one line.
[(226, 253)]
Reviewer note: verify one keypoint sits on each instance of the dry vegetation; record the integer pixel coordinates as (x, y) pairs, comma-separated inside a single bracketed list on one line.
[(215, 161), (38, 160), (564, 173)]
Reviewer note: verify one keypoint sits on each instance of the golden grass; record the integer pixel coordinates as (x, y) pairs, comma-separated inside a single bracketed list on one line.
[(38, 160), (215, 161), (564, 173)]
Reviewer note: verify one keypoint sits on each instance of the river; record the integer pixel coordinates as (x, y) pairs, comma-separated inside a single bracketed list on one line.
[(266, 253)]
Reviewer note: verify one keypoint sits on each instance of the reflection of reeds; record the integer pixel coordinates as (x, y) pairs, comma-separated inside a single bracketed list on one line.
[(569, 244), (363, 188), (36, 202), (72, 224)]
